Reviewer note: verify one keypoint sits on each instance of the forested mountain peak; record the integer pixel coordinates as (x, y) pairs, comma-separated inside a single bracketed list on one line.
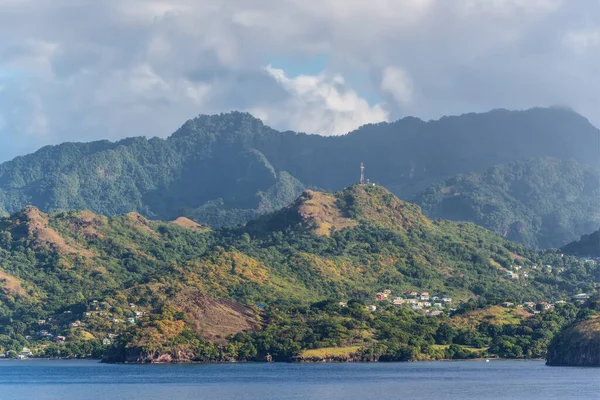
[(230, 124), (224, 170)]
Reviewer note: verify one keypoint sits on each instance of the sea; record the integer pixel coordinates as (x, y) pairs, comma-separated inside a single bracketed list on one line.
[(444, 380)]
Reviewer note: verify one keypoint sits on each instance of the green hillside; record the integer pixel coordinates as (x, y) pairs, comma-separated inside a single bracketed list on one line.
[(587, 246), (227, 169), (193, 293), (542, 203)]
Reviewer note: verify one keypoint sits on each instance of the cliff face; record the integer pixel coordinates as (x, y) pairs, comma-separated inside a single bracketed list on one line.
[(577, 345)]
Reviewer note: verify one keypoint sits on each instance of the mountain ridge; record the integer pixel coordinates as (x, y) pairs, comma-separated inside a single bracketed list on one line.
[(226, 169)]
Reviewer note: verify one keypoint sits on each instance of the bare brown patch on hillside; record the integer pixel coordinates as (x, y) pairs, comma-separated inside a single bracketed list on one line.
[(189, 224), (321, 213), (215, 319), (11, 285), (87, 223), (140, 223), (516, 256), (43, 235)]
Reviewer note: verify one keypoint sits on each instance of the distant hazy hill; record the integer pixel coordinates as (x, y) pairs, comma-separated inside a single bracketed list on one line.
[(226, 169), (542, 202), (587, 246)]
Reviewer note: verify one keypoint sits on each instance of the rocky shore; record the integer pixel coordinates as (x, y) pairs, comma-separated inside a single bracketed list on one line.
[(577, 345)]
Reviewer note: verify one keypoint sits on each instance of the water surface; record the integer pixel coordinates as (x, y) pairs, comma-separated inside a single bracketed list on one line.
[(461, 380)]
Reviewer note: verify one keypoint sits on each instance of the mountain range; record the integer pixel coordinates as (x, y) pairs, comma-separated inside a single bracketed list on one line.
[(227, 169)]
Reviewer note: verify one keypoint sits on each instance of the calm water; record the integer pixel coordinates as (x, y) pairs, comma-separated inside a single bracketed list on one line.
[(41, 380)]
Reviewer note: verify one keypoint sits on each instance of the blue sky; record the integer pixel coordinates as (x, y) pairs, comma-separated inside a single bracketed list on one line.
[(79, 70)]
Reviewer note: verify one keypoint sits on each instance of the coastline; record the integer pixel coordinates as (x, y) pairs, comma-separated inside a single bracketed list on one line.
[(330, 360)]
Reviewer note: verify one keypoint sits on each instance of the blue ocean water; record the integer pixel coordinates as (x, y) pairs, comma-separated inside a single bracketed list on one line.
[(463, 380)]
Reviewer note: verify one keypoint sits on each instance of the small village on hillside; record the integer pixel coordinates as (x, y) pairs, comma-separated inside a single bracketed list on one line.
[(436, 305), (72, 326)]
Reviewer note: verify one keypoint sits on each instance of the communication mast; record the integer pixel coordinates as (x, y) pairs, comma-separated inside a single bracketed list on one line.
[(362, 173)]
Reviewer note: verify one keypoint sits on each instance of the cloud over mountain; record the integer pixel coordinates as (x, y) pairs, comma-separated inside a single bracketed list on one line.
[(82, 69)]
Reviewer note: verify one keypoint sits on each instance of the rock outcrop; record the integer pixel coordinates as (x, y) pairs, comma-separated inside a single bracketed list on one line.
[(577, 345)]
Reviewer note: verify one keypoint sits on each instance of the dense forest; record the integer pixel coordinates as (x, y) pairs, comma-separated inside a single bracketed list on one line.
[(227, 169), (542, 203), (307, 278), (587, 246)]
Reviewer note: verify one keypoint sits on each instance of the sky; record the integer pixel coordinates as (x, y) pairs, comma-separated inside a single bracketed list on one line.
[(81, 70)]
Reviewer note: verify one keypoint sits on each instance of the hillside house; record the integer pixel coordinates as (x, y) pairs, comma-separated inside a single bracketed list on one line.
[(435, 298), (434, 313), (581, 296), (41, 322), (507, 304), (381, 296), (372, 308), (447, 300), (412, 294), (512, 275), (131, 320), (387, 292), (75, 324), (60, 339), (438, 305), (106, 342), (424, 296), (342, 304), (26, 352), (426, 304), (398, 301)]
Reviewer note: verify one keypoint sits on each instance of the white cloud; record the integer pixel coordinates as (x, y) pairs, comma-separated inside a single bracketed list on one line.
[(581, 41), (397, 83), (85, 69), (321, 104)]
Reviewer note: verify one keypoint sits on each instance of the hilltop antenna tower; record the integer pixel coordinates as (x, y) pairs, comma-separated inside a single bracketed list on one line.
[(362, 173)]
